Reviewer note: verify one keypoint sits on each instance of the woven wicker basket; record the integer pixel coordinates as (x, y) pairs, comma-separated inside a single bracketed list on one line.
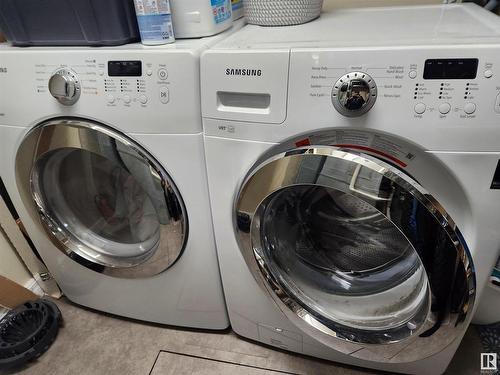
[(281, 12)]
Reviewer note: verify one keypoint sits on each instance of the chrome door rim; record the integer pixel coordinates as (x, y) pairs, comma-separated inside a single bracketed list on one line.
[(333, 334), (76, 134)]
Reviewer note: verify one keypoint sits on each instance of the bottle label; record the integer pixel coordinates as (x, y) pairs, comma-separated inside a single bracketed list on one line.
[(237, 4), (221, 10), (155, 27), (148, 7), (154, 20)]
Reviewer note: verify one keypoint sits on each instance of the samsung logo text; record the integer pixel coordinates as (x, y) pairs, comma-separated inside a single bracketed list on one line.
[(244, 72)]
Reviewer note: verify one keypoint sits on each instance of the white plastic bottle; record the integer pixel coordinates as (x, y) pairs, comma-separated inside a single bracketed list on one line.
[(199, 18), (155, 21)]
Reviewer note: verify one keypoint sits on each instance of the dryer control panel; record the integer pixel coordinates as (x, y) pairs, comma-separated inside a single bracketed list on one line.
[(132, 88), (117, 82)]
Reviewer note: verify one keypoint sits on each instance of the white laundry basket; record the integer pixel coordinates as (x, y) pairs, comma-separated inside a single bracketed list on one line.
[(281, 12)]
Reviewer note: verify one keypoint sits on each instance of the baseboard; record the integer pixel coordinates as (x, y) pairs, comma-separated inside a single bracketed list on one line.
[(33, 286)]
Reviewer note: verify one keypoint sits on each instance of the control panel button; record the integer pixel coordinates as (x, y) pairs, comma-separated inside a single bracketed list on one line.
[(412, 74), (469, 108), (101, 72), (64, 85), (143, 99), (149, 72), (420, 108), (444, 108), (488, 74), (111, 99), (126, 99), (354, 94), (164, 95), (162, 74), (497, 104)]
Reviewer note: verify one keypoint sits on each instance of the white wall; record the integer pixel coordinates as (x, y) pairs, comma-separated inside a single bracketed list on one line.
[(11, 266), (18, 262)]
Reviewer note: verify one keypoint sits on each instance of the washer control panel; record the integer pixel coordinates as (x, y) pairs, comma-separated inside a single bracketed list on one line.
[(444, 97), (409, 84), (415, 92), (447, 80)]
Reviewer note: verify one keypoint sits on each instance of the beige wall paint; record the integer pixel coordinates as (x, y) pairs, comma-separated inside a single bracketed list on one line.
[(17, 260), (337, 4), (11, 266)]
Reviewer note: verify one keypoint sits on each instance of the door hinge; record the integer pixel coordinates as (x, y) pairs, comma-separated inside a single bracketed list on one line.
[(45, 276)]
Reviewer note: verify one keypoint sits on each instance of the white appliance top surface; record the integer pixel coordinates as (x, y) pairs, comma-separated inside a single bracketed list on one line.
[(378, 27), (180, 45)]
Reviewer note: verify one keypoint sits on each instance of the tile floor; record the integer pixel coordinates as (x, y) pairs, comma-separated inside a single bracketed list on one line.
[(96, 343)]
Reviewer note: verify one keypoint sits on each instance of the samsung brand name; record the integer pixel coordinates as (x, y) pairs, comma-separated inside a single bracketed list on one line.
[(244, 72)]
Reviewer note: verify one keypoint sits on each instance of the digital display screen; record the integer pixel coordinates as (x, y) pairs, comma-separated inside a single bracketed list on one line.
[(450, 68), (124, 68)]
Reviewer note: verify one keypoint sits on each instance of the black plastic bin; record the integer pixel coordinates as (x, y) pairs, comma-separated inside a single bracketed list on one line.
[(68, 22)]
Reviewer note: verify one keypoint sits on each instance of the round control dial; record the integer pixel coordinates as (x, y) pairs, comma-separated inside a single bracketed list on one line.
[(64, 85), (354, 94)]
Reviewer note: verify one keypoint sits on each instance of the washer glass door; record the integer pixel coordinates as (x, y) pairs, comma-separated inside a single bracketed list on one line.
[(102, 198), (353, 249)]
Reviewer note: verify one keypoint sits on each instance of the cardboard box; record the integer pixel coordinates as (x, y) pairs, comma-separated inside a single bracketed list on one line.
[(12, 294)]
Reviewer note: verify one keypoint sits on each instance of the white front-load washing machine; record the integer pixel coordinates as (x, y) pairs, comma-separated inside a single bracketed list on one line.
[(102, 154), (351, 165)]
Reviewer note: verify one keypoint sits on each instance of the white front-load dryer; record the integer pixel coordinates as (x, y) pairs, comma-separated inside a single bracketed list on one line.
[(352, 181), (102, 154)]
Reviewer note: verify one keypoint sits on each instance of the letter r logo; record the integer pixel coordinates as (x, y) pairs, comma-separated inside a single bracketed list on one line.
[(489, 361)]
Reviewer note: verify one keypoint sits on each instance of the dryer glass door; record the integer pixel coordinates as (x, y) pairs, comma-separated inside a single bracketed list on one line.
[(103, 199), (352, 248)]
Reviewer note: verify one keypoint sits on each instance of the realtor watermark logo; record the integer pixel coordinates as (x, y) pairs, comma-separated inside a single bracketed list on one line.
[(489, 362)]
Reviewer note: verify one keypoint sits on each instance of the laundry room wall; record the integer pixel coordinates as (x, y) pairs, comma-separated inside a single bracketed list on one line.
[(18, 261), (11, 265)]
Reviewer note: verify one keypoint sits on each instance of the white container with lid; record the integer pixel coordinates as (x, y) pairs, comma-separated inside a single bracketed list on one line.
[(198, 18)]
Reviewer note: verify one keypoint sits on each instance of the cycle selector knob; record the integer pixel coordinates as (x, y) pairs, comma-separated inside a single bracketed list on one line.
[(354, 94), (64, 85)]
